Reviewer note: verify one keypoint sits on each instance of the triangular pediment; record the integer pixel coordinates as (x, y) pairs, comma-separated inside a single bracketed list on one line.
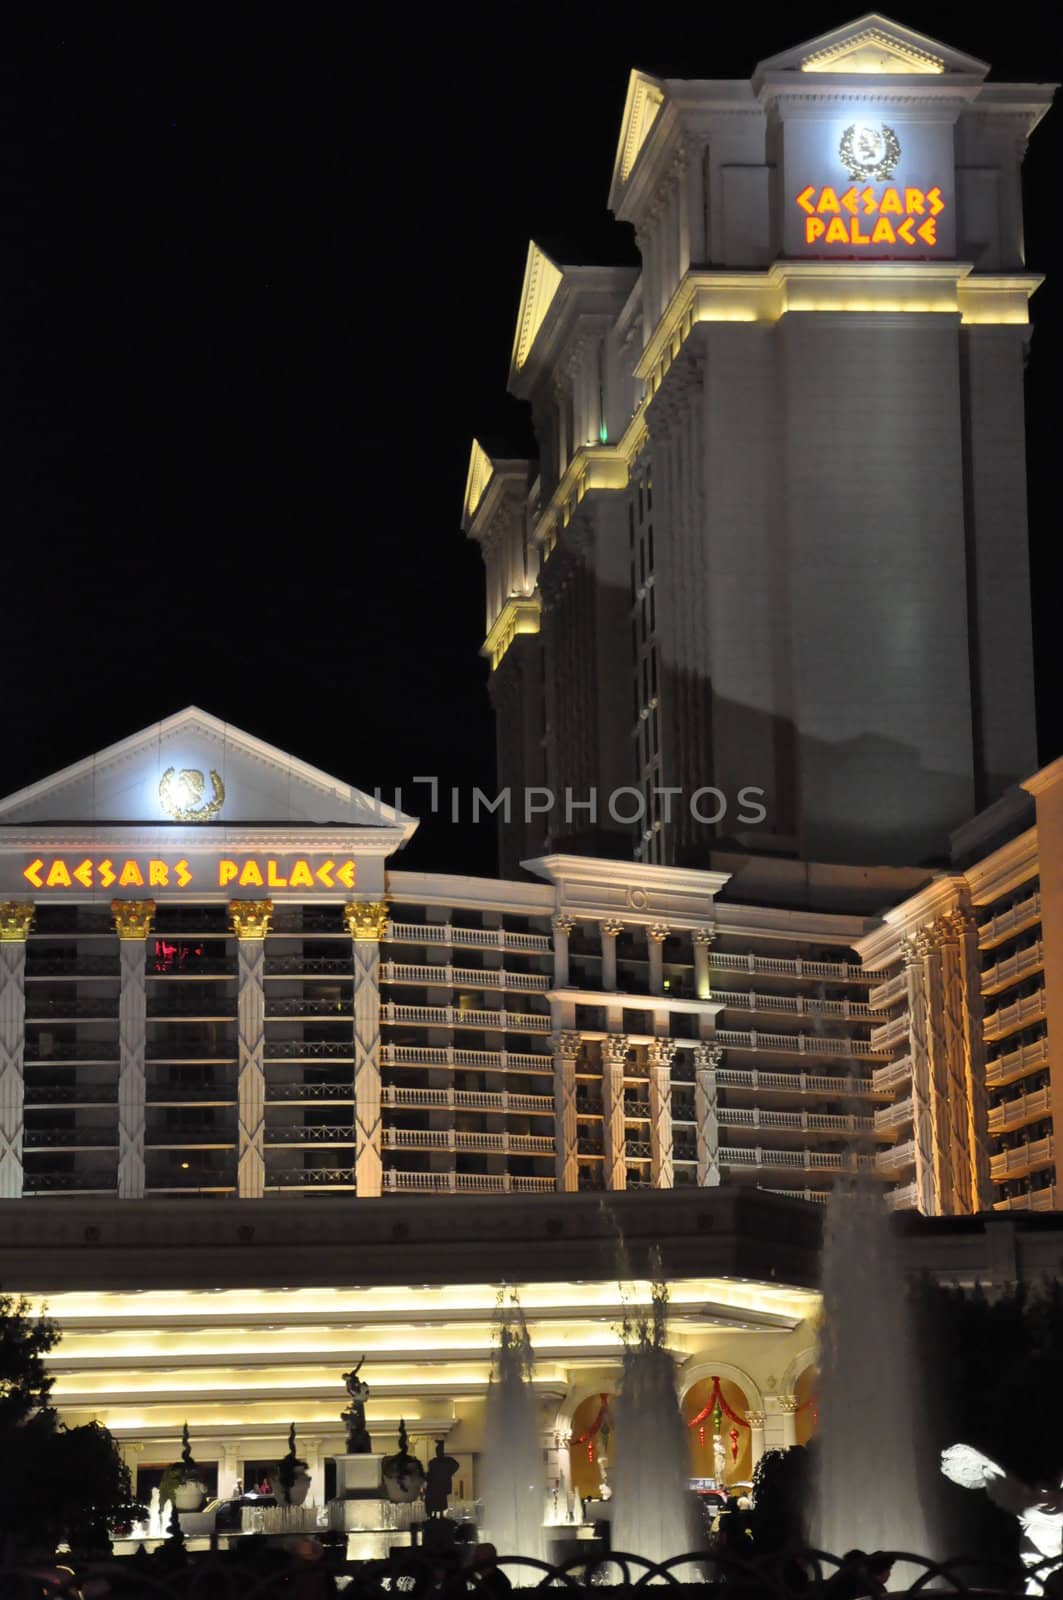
[(874, 44), (542, 279), (194, 768), (480, 473), (645, 97)]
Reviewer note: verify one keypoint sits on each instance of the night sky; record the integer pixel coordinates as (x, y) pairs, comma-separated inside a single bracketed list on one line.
[(260, 270)]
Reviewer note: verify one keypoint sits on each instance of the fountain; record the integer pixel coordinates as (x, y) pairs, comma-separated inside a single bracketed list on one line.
[(867, 1491), (514, 1481), (653, 1509)]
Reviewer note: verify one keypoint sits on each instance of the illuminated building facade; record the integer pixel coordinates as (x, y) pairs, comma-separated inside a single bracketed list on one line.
[(776, 535)]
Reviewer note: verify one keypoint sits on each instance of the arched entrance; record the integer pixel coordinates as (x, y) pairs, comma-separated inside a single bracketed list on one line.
[(734, 1433), (592, 1438), (806, 1417)]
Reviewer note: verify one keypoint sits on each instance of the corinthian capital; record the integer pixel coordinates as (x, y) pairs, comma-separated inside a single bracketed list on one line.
[(16, 916), (250, 918), (366, 919), (661, 1052), (707, 1057), (615, 1049), (566, 1043), (132, 918)]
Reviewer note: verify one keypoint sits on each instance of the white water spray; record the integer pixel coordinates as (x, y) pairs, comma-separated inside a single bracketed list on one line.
[(514, 1497), (867, 1490)]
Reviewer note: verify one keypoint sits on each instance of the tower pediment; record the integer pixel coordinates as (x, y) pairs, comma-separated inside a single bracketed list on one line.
[(873, 45)]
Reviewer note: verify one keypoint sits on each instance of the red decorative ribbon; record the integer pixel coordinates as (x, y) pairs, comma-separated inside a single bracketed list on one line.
[(716, 1399), (590, 1433)]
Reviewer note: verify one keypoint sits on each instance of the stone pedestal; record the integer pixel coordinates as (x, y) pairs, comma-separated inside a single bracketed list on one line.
[(358, 1477), (361, 1510)]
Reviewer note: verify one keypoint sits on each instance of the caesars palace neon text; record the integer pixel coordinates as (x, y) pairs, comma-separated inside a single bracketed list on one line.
[(152, 872)]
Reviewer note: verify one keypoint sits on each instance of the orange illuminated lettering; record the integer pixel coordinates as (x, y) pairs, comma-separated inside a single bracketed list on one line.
[(158, 874), (815, 228), (935, 200), (251, 876), (273, 877), (83, 873), (58, 876), (345, 874), (882, 232), (828, 201), (324, 874), (870, 199), (32, 873), (914, 201), (855, 236), (227, 871), (905, 231), (837, 232), (131, 876), (890, 204), (301, 876), (106, 873), (928, 231), (851, 201), (804, 199), (181, 872)]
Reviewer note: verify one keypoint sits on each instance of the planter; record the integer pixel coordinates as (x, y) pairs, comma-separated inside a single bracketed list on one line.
[(190, 1495), (294, 1494)]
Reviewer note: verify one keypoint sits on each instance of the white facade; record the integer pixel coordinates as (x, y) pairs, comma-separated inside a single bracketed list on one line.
[(778, 520)]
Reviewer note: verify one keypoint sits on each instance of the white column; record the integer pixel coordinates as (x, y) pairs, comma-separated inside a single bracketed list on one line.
[(250, 920), (16, 917), (656, 937), (132, 922), (614, 1061), (562, 926), (610, 932), (566, 1045), (788, 1407), (367, 923), (659, 1056), (707, 1058), (703, 938), (230, 1468), (756, 1437)]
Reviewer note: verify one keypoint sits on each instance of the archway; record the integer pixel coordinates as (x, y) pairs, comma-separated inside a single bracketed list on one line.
[(734, 1432), (592, 1438), (807, 1416)]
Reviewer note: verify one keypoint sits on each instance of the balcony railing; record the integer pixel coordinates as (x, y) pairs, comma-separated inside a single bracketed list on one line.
[(309, 1091), (42, 966), (466, 1100), (417, 1055), (1028, 1157), (477, 938), (63, 1050), (1020, 965), (890, 993), (812, 1044), (1016, 1064), (101, 1180), (310, 1178), (69, 1094), (790, 1082), (891, 1033), (799, 1004), (1047, 1199), (1007, 923), (782, 967), (896, 1159), (449, 1139), (895, 1116), (464, 977), (1007, 1019), (892, 1076), (297, 1006), (819, 1196), (72, 1009), (1020, 1109), (808, 1160), (312, 1133), (756, 1117), (902, 1199), (70, 1138), (309, 966), (309, 1049), (456, 1017), (466, 1183)]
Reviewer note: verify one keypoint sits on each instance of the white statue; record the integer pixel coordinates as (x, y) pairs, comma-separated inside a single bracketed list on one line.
[(1039, 1509), (719, 1457)]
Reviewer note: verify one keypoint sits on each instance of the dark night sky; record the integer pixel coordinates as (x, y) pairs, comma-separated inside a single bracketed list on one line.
[(259, 275)]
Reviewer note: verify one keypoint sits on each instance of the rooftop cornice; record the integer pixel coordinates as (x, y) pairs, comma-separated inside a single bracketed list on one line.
[(1004, 869), (1044, 780)]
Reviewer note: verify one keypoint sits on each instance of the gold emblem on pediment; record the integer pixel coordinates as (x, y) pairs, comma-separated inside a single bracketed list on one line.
[(182, 795)]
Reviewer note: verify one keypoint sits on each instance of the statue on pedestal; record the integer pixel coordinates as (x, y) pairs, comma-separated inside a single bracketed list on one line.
[(353, 1418), (441, 1470)]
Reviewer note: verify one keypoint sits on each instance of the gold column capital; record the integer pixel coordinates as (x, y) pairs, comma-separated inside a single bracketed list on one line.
[(658, 932), (366, 919), (16, 918), (132, 918), (250, 918)]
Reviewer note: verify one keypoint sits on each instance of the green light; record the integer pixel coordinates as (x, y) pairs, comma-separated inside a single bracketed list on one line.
[(603, 434)]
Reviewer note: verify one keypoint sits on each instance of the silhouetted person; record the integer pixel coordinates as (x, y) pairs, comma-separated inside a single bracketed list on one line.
[(490, 1579)]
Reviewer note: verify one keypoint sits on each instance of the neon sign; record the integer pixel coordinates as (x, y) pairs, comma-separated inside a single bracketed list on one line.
[(152, 872), (905, 216)]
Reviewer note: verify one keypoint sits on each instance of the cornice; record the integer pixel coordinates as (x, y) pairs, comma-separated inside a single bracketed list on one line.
[(1045, 780), (114, 838), (1005, 869)]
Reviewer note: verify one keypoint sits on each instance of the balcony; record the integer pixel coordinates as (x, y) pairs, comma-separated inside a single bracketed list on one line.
[(299, 966), (311, 1133), (464, 977), (797, 1005), (311, 1093), (1016, 1063), (1019, 1110), (457, 1017), (309, 1050), (101, 1138), (791, 1082), (69, 1094), (1008, 923), (891, 993), (1029, 1157), (466, 1100), (1048, 1199), (890, 1077), (449, 1139), (1020, 965), (297, 1006), (63, 1052), (465, 1183), (804, 1121), (310, 1178), (902, 1199), (895, 1160), (1008, 1019), (888, 1118), (637, 1110), (475, 938), (416, 1055), (72, 1009), (43, 966), (818, 1196), (794, 1043), (103, 1180), (807, 1160), (781, 967), (891, 1033)]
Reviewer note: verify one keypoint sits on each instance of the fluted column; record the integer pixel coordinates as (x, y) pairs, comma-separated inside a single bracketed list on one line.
[(707, 1058), (610, 932), (250, 920), (659, 1057), (788, 1407), (614, 1061), (132, 923), (566, 1045), (972, 1045), (703, 940), (756, 1420), (953, 1090), (366, 922), (563, 926), (656, 937), (937, 1034), (912, 952), (16, 917)]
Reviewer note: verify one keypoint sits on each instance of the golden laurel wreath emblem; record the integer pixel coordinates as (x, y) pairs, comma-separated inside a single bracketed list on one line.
[(869, 152), (176, 789)]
